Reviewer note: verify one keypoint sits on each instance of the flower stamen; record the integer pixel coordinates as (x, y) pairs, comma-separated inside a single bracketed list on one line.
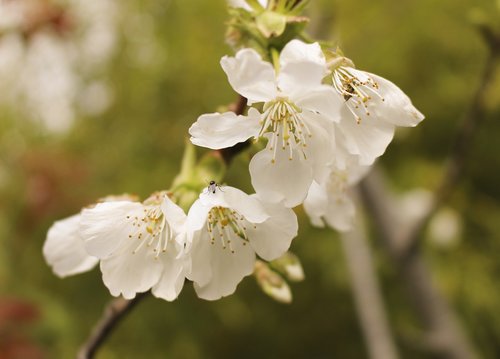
[(149, 229), (356, 92), (282, 118), (224, 221)]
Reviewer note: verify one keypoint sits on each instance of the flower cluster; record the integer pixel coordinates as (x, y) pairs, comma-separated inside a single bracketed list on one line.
[(155, 246), (325, 123), (320, 122)]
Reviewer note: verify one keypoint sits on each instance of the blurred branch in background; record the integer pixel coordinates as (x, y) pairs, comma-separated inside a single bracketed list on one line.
[(367, 294), (444, 335), (463, 142)]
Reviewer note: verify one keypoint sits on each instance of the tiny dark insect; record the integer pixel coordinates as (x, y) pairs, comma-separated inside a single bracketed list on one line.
[(212, 187)]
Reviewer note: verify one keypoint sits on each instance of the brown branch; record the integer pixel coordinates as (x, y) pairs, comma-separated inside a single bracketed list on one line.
[(114, 312)]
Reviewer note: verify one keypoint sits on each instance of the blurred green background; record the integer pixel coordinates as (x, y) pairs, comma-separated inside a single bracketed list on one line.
[(163, 74)]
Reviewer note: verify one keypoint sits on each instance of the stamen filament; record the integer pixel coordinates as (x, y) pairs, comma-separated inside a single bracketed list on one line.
[(283, 118), (229, 223)]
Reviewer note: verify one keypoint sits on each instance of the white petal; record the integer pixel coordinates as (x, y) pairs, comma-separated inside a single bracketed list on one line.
[(368, 139), (272, 238), (316, 204), (173, 274), (302, 67), (321, 145), (63, 249), (246, 205), (233, 198), (340, 212), (243, 4), (396, 108), (228, 269), (342, 157), (283, 180), (214, 198), (197, 215), (224, 130), (104, 227), (128, 273), (239, 4), (174, 215), (355, 172), (201, 258), (322, 100), (250, 76)]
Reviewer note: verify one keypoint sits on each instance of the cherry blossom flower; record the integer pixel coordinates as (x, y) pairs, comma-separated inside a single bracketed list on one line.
[(227, 228), (296, 119), (330, 201), (140, 245), (371, 109)]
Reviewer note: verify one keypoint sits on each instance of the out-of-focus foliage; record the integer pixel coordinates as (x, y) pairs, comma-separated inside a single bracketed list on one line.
[(163, 75)]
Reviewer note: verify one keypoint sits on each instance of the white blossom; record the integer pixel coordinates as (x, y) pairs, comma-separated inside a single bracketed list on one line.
[(296, 119), (140, 245), (330, 201), (372, 108), (228, 227)]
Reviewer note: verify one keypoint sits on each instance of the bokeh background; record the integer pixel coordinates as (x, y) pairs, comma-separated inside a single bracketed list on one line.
[(97, 98)]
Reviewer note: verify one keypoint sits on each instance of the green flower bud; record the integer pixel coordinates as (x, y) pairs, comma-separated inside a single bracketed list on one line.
[(272, 283), (289, 265)]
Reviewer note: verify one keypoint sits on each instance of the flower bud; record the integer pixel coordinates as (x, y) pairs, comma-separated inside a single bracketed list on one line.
[(271, 24), (289, 265), (272, 283)]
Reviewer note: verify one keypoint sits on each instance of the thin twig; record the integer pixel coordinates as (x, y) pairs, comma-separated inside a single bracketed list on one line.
[(112, 315), (367, 294)]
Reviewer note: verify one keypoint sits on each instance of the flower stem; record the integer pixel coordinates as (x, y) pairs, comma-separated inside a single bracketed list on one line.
[(275, 56)]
